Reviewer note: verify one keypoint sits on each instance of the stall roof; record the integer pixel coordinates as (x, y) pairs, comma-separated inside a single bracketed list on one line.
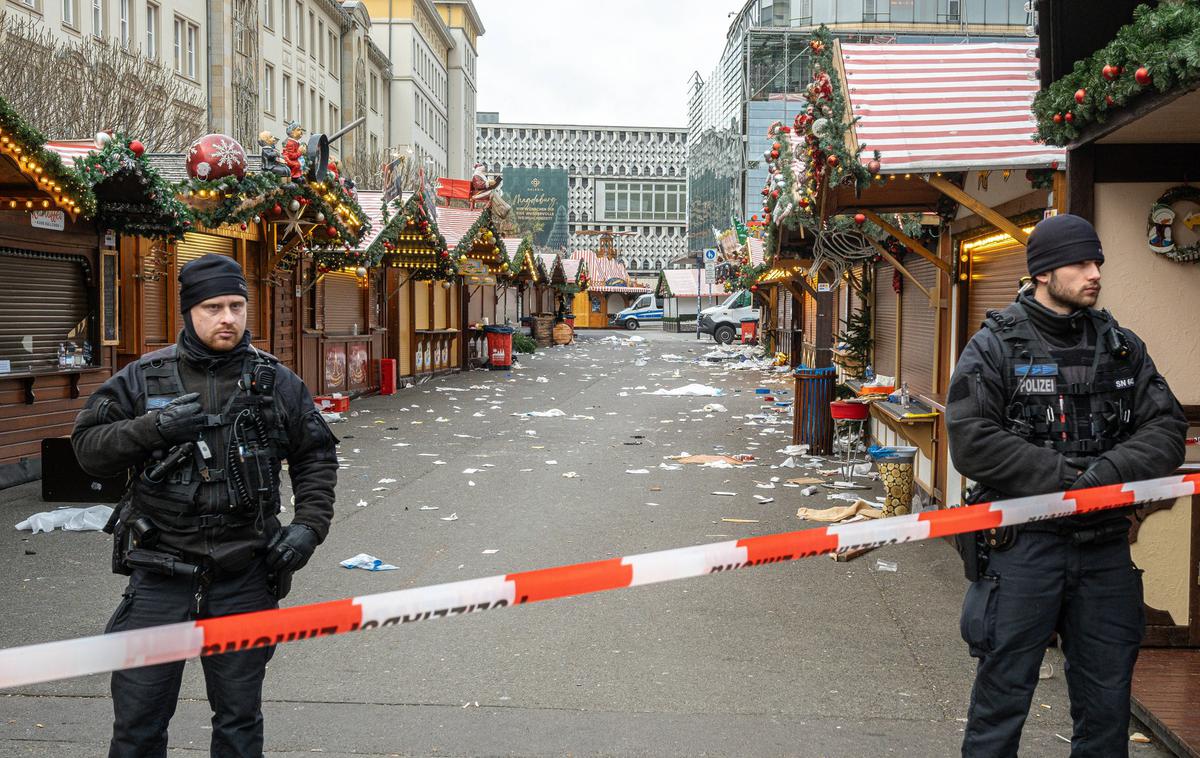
[(945, 107), (608, 275), (681, 282), (371, 201), (570, 267), (455, 222)]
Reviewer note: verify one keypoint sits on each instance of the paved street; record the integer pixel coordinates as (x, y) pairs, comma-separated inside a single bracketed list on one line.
[(809, 658)]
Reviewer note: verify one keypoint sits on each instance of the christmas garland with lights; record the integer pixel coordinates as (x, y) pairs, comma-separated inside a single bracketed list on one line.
[(483, 233), (411, 239), (255, 197), (518, 258), (743, 277), (796, 179), (1159, 50), (148, 208), (25, 143)]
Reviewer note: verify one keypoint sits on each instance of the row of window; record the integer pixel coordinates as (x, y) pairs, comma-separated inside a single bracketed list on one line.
[(321, 45), (598, 170), (645, 231), (586, 135), (186, 33), (317, 115), (430, 120), (636, 201), (430, 70)]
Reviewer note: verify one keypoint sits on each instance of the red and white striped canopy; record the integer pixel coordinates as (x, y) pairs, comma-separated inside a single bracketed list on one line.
[(70, 149), (946, 106)]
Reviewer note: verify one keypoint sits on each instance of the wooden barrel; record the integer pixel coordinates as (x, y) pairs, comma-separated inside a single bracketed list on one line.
[(543, 326), (563, 334)]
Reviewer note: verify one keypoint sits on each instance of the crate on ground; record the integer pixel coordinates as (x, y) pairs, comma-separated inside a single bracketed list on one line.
[(332, 403)]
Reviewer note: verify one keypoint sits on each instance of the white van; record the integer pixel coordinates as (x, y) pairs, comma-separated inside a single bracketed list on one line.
[(645, 308), (724, 321)]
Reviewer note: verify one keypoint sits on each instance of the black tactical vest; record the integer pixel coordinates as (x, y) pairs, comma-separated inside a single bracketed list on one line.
[(1076, 400), (244, 481)]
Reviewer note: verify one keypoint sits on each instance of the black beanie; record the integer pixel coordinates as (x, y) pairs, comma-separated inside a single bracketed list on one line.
[(208, 276), (1060, 241)]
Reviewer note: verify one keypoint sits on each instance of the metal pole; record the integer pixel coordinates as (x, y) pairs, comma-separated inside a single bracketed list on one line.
[(699, 268)]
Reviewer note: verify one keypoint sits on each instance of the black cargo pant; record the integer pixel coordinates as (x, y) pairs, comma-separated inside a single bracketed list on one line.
[(1091, 594), (144, 698)]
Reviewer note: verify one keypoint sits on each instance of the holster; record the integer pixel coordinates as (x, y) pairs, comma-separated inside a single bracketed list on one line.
[(975, 548), (160, 563), (280, 583)]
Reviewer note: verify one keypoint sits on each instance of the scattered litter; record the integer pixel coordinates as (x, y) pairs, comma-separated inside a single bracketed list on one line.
[(669, 467), (715, 408), (402, 444), (764, 500), (361, 504), (740, 520), (725, 494), (689, 390), (571, 475), (1056, 734), (1139, 738), (490, 551), (804, 480), (542, 380), (472, 470), (429, 507), (890, 566), (551, 463), (451, 517), (90, 519), (552, 413), (707, 460), (387, 481), (637, 471), (839, 512), (808, 491), (1046, 670), (765, 485), (793, 450), (367, 563)]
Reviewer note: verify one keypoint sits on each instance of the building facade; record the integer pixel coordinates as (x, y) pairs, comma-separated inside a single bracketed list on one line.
[(630, 180), (762, 72)]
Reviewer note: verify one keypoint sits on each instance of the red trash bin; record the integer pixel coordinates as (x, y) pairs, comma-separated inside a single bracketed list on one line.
[(749, 331), (499, 346), (387, 376)]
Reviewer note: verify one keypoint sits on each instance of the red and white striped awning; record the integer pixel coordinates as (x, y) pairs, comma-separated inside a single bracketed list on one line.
[(946, 106), (70, 149)]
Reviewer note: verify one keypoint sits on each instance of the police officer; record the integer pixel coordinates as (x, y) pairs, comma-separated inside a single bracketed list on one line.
[(203, 426), (1053, 395)]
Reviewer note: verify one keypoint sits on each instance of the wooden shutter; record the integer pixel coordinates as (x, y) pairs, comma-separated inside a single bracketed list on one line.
[(45, 303), (154, 308), (343, 304), (252, 271), (194, 245), (918, 342), (884, 360), (374, 298), (995, 277)]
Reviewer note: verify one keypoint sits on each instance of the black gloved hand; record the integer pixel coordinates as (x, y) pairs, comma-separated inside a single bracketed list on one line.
[(291, 547), (181, 419), (1099, 473)]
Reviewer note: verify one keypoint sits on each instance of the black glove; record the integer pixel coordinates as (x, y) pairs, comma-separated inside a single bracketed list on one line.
[(291, 547), (181, 419), (1099, 473)]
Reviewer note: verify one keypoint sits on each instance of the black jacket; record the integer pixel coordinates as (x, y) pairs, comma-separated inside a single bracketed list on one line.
[(985, 451), (110, 437)]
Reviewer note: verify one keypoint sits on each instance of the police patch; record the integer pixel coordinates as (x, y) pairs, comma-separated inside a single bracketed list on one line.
[(155, 403), (1037, 385), (1037, 369)]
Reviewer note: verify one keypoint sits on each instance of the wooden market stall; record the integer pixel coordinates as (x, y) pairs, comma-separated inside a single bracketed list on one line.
[(1133, 141), (474, 241), (522, 280), (684, 293), (610, 290), (54, 347)]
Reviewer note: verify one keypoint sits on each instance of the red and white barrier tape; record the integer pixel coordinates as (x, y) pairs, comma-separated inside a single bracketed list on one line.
[(175, 642)]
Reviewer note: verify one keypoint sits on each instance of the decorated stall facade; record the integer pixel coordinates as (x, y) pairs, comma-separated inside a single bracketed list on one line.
[(518, 283), (54, 350), (684, 293), (1122, 95), (475, 242), (610, 289)]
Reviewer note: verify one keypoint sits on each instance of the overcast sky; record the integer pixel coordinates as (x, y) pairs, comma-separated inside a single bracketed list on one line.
[(612, 62)]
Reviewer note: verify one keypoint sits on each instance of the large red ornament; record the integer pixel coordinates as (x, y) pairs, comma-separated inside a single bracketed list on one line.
[(1058, 118), (214, 156), (1080, 94), (136, 147), (832, 160), (1142, 76), (860, 218), (873, 166), (1070, 117), (1109, 72)]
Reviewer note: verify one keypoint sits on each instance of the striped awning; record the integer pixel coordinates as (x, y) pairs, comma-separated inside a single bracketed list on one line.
[(70, 149), (946, 107)]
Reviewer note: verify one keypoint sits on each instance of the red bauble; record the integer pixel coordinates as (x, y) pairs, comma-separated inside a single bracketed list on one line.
[(214, 156), (1109, 72), (136, 147), (1108, 100), (860, 218), (444, 255), (242, 226), (873, 166), (276, 209), (1070, 117), (754, 288), (754, 218), (774, 153), (774, 193), (1058, 118), (832, 160), (305, 201), (1142, 76), (331, 231), (786, 129), (1080, 94), (803, 202)]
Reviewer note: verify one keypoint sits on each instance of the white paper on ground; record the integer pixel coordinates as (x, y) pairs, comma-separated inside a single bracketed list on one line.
[(90, 519), (367, 563), (689, 390)]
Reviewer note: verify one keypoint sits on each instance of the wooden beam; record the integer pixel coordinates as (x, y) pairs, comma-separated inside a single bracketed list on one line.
[(1081, 181), (803, 283), (283, 251), (1000, 222), (888, 257), (912, 244)]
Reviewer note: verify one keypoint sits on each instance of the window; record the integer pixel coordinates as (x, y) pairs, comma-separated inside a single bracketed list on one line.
[(269, 14), (193, 34), (374, 145), (321, 42), (870, 12), (320, 114), (312, 35), (300, 102), (285, 26), (334, 54), (374, 93), (269, 88), (285, 94), (32, 4), (126, 24), (300, 25), (333, 117), (98, 18), (642, 201), (70, 11), (953, 10), (152, 31), (313, 113)]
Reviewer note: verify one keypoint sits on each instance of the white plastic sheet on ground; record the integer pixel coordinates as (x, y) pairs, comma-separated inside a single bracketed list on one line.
[(689, 390), (90, 519)]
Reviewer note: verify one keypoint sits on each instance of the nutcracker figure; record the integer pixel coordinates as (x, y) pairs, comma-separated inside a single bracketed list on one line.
[(270, 155), (293, 150)]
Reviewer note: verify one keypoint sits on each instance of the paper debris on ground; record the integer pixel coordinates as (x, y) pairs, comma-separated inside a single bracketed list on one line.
[(1139, 738), (451, 517), (429, 507), (367, 563), (669, 467), (90, 519), (805, 480), (571, 475), (491, 551), (637, 471), (793, 450), (714, 408), (840, 512), (725, 494), (689, 390), (361, 504), (552, 413), (740, 520), (387, 481), (704, 460), (764, 500)]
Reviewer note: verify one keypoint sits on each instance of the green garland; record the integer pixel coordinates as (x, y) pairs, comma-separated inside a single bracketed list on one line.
[(744, 277), (31, 141), (255, 197), (827, 159), (412, 213), (148, 208), (1159, 50)]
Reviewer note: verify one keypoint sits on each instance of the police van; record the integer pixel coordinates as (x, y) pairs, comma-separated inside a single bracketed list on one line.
[(645, 308)]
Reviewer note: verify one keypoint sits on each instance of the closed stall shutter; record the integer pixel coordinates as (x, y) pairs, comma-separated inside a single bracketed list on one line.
[(995, 277), (194, 245), (45, 304), (154, 308), (884, 361), (917, 341), (343, 304), (253, 289)]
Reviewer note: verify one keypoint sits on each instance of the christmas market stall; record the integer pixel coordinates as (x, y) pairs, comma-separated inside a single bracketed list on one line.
[(576, 281), (517, 290), (610, 289), (683, 294), (290, 223), (1121, 91), (551, 280), (54, 344), (475, 244), (423, 314)]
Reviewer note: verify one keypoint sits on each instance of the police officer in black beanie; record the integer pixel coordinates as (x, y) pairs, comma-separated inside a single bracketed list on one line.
[(203, 427), (1051, 395)]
